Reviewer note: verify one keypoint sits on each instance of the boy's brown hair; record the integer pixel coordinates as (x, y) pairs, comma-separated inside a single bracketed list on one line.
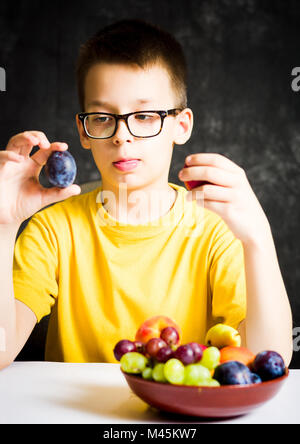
[(134, 42)]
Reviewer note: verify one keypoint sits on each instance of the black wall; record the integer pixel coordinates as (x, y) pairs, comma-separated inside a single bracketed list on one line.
[(240, 55)]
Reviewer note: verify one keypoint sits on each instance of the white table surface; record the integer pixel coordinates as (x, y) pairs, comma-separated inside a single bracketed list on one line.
[(63, 393)]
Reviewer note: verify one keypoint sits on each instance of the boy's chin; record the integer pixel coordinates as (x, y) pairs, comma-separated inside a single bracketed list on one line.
[(128, 183)]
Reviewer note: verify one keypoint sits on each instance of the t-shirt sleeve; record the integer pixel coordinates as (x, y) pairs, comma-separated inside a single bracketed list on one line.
[(227, 277), (35, 267)]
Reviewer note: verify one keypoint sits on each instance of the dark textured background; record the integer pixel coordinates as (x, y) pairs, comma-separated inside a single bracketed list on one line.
[(240, 55)]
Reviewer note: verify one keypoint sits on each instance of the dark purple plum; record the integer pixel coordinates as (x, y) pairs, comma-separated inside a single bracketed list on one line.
[(233, 373), (61, 169), (164, 354), (255, 379), (185, 354), (122, 347), (268, 365)]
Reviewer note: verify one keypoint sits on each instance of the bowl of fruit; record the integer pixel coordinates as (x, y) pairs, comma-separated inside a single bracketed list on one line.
[(217, 379)]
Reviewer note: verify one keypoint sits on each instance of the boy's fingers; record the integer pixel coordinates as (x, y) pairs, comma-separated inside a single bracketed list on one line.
[(217, 207), (52, 195), (41, 156), (211, 192), (24, 142), (44, 142), (6, 156), (212, 159), (216, 176)]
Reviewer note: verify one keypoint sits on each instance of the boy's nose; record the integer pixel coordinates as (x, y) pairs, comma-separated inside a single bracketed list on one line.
[(122, 133)]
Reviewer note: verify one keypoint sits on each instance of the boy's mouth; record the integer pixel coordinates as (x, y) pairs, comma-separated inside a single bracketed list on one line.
[(126, 164), (125, 159)]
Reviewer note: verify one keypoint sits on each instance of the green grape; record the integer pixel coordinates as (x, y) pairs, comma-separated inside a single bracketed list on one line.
[(194, 374), (174, 371), (211, 383), (158, 373), (133, 362), (147, 373), (210, 358)]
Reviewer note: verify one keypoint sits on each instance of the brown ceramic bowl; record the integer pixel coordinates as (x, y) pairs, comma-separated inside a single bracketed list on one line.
[(208, 402)]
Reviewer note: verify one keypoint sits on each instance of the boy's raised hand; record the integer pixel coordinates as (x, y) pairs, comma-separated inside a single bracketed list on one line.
[(229, 194), (21, 194)]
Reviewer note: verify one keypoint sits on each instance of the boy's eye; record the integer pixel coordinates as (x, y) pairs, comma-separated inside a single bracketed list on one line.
[(101, 119), (144, 117)]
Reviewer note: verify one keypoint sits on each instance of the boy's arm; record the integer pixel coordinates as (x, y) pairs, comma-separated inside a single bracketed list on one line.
[(16, 319), (268, 323), (21, 196)]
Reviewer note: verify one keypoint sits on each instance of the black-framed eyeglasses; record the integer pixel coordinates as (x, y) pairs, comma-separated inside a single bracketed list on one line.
[(139, 123)]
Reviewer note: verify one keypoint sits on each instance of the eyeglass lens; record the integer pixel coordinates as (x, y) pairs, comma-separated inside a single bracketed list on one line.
[(140, 125)]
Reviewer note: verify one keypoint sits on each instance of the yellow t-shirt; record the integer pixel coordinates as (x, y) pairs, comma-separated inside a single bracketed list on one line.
[(101, 279)]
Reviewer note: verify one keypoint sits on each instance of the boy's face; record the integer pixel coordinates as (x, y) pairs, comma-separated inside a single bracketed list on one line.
[(122, 89)]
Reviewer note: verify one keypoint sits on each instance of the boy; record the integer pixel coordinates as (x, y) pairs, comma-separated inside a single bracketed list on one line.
[(105, 261)]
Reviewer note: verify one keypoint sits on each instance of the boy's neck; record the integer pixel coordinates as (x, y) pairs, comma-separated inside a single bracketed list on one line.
[(138, 207)]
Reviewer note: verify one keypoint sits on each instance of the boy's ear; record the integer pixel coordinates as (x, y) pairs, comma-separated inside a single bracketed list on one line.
[(85, 141), (184, 126)]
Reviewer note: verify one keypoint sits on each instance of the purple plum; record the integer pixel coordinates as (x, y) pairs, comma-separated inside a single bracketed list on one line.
[(61, 169), (233, 373), (268, 365)]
